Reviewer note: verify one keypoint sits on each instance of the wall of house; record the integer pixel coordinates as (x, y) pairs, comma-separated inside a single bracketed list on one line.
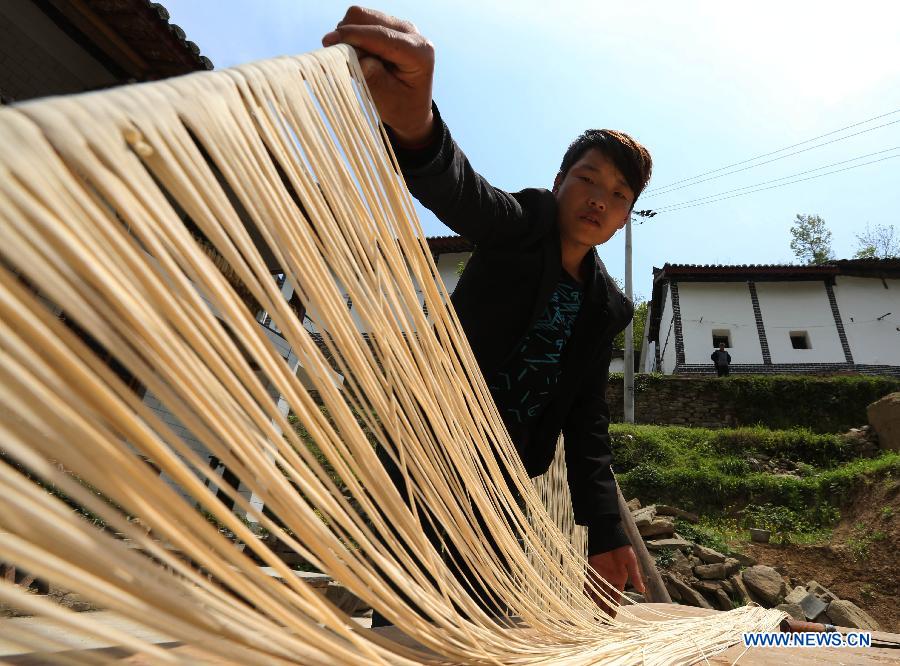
[(37, 58), (647, 354), (447, 264), (799, 306), (667, 335), (861, 301), (709, 306)]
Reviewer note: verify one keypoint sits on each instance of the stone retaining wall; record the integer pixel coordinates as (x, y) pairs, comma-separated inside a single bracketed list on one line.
[(679, 400), (824, 404)]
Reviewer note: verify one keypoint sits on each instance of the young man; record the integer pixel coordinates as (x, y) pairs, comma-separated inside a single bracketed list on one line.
[(538, 307)]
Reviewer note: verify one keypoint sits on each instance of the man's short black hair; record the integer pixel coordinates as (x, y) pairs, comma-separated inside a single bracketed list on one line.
[(629, 157)]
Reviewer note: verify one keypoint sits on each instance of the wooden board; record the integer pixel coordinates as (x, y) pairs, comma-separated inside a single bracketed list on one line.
[(737, 653)]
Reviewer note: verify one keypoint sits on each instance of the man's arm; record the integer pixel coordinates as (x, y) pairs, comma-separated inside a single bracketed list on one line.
[(398, 64), (591, 481)]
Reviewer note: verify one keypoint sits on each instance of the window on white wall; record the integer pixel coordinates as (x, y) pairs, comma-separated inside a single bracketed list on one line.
[(800, 340), (721, 335)]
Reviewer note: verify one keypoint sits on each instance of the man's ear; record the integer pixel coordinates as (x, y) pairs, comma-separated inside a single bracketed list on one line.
[(557, 182)]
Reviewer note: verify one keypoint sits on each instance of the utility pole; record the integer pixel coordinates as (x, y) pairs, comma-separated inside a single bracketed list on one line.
[(628, 408), (628, 392)]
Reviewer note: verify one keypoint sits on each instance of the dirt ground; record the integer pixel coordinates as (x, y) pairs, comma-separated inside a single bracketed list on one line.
[(861, 562)]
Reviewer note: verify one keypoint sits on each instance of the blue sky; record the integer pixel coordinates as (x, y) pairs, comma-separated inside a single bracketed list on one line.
[(701, 84)]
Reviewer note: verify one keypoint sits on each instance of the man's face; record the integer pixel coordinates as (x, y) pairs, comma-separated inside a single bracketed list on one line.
[(721, 346), (594, 200)]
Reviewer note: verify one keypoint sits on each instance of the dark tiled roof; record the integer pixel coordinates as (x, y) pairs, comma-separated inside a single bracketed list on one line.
[(145, 27), (448, 244), (702, 272), (845, 265), (733, 271), (133, 39)]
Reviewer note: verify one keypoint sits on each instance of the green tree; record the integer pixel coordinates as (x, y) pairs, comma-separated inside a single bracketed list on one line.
[(640, 320), (878, 242), (811, 239)]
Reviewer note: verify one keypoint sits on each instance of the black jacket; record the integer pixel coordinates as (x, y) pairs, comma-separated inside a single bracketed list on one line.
[(715, 358), (505, 287)]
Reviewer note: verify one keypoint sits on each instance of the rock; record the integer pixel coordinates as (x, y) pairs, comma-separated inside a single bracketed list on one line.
[(659, 527), (822, 618), (660, 544), (740, 590), (708, 555), (812, 606), (864, 441), (759, 536), (796, 595), (635, 597), (755, 465), (713, 592), (671, 588), (645, 516), (845, 613), (706, 586), (766, 583), (728, 587), (744, 560), (681, 564), (823, 593), (633, 504), (710, 571), (732, 566), (689, 595), (76, 602), (695, 561), (793, 610), (666, 510), (884, 415), (723, 601)]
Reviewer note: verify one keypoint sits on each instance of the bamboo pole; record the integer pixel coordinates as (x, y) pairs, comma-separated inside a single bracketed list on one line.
[(656, 589)]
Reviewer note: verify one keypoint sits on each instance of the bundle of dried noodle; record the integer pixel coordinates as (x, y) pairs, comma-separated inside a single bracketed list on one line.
[(283, 163)]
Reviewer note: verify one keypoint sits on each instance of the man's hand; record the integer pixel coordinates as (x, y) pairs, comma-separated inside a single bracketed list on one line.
[(398, 64), (616, 567)]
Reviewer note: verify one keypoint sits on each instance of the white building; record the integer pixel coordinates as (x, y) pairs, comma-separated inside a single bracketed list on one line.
[(448, 253), (839, 317)]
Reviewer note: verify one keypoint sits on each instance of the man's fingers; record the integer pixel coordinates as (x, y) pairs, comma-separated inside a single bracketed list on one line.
[(364, 16), (406, 51), (370, 66)]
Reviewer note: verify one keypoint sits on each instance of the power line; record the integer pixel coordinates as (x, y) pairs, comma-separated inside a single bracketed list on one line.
[(775, 152), (774, 159), (664, 209), (772, 187)]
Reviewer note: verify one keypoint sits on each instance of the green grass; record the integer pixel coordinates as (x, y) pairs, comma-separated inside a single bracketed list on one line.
[(709, 471), (719, 533), (862, 538)]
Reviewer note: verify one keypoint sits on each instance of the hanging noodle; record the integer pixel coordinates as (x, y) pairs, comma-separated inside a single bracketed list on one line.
[(109, 203)]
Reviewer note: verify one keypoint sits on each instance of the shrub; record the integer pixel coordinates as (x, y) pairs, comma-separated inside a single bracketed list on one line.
[(823, 404)]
